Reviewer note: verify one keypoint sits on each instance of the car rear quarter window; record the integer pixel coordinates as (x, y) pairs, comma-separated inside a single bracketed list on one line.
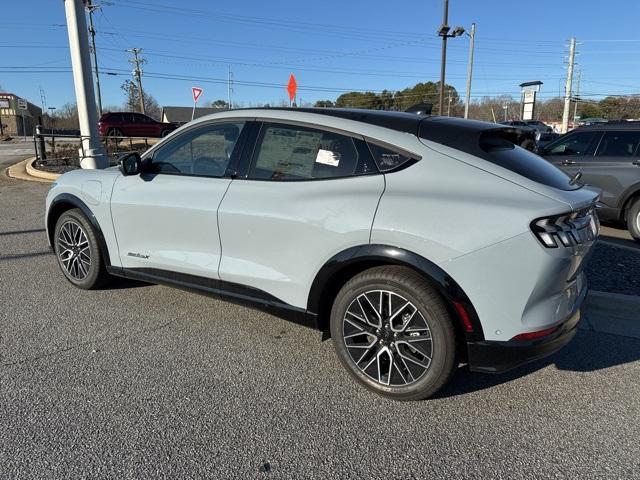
[(388, 159), (618, 144), (287, 152)]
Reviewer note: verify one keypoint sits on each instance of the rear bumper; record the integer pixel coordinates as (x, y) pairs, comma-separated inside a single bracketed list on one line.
[(498, 357)]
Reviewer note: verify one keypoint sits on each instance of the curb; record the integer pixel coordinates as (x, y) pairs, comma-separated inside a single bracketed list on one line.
[(34, 172), (613, 313), (23, 170)]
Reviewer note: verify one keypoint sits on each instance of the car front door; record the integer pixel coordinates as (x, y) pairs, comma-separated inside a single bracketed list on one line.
[(308, 194), (615, 167), (570, 150), (165, 219)]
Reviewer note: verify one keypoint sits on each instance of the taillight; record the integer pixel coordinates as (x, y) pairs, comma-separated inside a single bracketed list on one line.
[(535, 335), (567, 230)]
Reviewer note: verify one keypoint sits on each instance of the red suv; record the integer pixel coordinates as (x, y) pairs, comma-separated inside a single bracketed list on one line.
[(130, 124)]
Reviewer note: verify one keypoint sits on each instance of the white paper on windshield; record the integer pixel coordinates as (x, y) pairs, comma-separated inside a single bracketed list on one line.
[(327, 157)]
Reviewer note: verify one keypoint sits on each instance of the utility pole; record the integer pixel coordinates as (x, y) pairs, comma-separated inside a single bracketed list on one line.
[(138, 73), (577, 97), (472, 36), (43, 99), (567, 88), (229, 88), (92, 153), (91, 8)]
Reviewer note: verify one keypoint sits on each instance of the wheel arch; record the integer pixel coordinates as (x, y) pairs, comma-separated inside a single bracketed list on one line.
[(66, 201), (629, 197), (350, 262)]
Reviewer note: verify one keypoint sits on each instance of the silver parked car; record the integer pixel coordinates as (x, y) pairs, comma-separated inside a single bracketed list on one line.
[(418, 242)]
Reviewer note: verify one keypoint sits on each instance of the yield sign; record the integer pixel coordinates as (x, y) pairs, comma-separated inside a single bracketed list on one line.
[(292, 86), (196, 91)]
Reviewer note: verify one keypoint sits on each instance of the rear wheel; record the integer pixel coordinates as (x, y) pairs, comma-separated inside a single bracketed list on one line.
[(78, 251), (165, 132), (393, 333), (115, 132), (633, 219)]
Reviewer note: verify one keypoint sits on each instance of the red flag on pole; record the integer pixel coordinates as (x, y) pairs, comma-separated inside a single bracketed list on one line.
[(292, 86)]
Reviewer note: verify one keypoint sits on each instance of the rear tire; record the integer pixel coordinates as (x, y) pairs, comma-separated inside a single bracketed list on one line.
[(115, 132), (405, 351), (633, 219), (78, 251)]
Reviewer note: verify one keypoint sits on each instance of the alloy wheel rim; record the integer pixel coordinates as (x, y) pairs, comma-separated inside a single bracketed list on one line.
[(74, 250), (387, 338)]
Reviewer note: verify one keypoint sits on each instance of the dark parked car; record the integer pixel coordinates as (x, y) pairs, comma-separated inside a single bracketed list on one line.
[(545, 138), (526, 134), (130, 124), (539, 126), (608, 156)]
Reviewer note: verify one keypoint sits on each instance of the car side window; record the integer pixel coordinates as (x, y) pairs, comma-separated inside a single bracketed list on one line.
[(387, 159), (204, 151), (618, 144), (287, 152), (576, 143)]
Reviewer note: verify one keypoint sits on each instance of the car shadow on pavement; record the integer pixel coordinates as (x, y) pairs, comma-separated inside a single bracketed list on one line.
[(119, 283), (22, 232), (588, 352), (25, 255)]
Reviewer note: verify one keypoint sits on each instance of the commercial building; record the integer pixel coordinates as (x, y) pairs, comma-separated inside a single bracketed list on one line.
[(18, 116)]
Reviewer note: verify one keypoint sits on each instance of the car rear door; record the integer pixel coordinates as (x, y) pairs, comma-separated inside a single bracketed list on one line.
[(304, 195), (615, 167), (166, 218)]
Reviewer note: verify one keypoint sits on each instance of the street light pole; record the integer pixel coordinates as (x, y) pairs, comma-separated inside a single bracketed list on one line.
[(444, 29), (472, 36), (92, 153)]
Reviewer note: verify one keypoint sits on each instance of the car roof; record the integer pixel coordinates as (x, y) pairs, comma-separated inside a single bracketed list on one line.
[(612, 125)]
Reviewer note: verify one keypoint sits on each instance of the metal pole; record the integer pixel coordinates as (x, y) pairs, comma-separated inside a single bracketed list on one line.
[(472, 36), (443, 60), (567, 88), (93, 156), (24, 130), (92, 31), (1, 127)]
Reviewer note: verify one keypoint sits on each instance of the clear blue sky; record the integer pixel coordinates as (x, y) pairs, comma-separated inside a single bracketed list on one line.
[(330, 45)]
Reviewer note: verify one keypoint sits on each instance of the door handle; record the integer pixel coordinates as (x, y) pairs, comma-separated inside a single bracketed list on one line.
[(568, 162)]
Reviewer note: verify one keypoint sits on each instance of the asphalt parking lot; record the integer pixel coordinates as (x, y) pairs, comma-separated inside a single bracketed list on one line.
[(140, 381)]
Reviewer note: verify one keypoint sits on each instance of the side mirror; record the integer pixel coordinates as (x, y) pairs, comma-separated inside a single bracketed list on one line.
[(130, 164)]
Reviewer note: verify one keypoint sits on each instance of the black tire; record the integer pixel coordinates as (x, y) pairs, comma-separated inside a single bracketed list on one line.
[(633, 219), (115, 132), (389, 347), (165, 132), (70, 229)]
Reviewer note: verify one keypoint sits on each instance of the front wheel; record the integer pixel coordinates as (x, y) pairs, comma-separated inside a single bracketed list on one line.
[(78, 251), (633, 220), (392, 332)]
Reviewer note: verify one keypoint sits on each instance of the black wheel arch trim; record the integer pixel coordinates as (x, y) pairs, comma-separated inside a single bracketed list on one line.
[(377, 254), (56, 209)]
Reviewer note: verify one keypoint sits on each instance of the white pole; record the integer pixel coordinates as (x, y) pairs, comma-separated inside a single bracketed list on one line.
[(92, 153), (472, 35), (567, 88), (193, 112)]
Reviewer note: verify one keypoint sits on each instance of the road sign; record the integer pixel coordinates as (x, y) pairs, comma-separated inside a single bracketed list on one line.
[(292, 86), (196, 91), (22, 104)]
